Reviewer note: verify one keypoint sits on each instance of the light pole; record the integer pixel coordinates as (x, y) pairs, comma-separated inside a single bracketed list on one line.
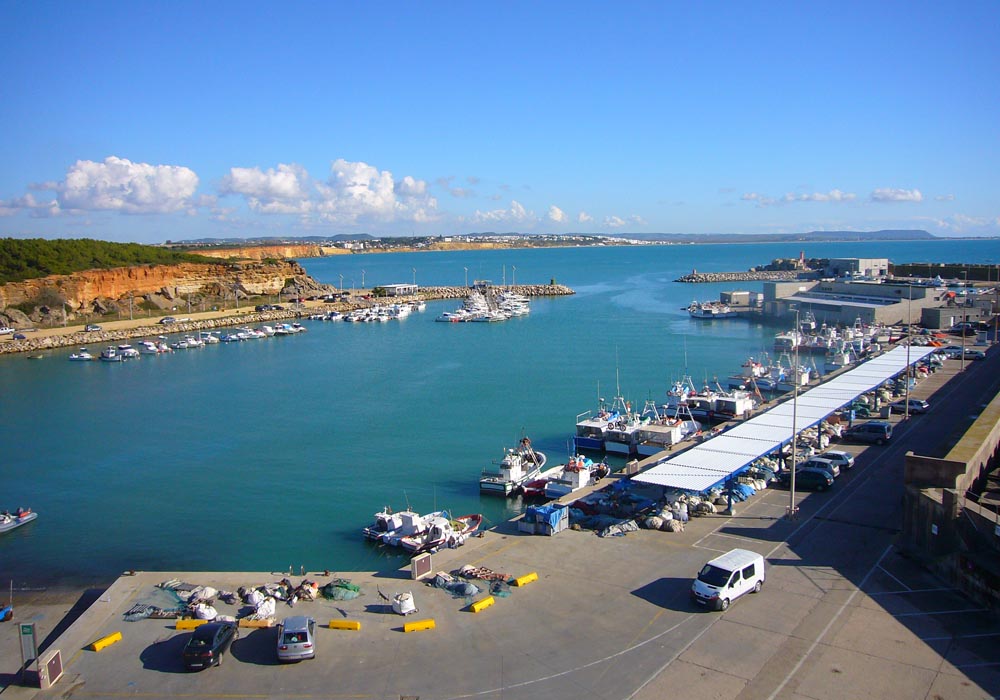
[(909, 321), (466, 277), (965, 314), (795, 410), (513, 275), (341, 283), (362, 279), (414, 276)]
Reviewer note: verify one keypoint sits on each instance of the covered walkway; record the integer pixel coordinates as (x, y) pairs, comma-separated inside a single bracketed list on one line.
[(720, 458)]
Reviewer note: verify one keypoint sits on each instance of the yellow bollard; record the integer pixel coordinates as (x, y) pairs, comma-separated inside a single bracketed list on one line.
[(189, 624), (345, 625), (106, 641), (419, 625), (526, 579), (480, 605)]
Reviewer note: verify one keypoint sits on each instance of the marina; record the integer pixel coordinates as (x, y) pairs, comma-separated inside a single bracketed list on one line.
[(353, 398)]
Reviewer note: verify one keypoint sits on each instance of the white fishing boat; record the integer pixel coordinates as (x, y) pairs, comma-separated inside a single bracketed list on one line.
[(82, 355), (110, 354), (8, 521), (576, 474), (127, 352), (442, 531), (148, 347), (709, 310), (208, 338), (621, 434), (390, 527), (519, 465)]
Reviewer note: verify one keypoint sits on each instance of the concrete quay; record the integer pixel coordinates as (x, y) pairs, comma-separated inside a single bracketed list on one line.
[(840, 616)]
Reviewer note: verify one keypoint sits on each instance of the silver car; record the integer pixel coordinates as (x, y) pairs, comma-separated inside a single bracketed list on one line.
[(296, 638)]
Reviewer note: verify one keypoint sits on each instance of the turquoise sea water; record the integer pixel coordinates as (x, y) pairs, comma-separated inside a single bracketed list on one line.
[(274, 453)]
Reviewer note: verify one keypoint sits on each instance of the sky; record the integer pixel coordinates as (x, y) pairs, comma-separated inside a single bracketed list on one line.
[(154, 121)]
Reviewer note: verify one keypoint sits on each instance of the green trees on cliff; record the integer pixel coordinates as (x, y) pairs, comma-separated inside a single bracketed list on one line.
[(28, 258)]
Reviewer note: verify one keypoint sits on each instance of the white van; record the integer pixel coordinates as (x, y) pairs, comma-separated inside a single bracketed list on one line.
[(726, 578)]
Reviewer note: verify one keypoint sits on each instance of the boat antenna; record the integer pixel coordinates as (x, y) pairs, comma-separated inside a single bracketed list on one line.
[(407, 499)]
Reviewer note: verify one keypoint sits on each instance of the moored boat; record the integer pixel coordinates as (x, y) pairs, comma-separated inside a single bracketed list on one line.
[(576, 474), (110, 354), (8, 521), (443, 531), (519, 465), (83, 355), (390, 527)]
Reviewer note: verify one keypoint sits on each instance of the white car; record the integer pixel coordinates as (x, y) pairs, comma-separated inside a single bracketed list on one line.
[(844, 460), (4, 330)]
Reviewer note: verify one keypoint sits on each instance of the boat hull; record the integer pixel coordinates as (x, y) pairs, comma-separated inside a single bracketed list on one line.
[(17, 522)]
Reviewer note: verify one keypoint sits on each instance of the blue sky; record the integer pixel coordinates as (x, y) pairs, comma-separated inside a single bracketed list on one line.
[(152, 121)]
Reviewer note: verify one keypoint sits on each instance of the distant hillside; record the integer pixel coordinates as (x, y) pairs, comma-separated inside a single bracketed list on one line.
[(811, 236), (272, 240), (31, 258)]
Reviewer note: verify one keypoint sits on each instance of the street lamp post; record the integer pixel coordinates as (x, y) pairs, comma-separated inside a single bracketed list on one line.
[(341, 283), (909, 322), (362, 279), (795, 411), (414, 276), (513, 275), (466, 277), (965, 313)]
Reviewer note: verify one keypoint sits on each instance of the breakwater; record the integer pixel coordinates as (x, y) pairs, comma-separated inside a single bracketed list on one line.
[(43, 341), (749, 276)]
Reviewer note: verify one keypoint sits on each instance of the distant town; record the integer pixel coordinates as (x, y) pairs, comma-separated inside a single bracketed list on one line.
[(370, 243)]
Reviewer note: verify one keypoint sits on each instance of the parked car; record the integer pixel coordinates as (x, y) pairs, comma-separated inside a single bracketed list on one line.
[(277, 307), (20, 336), (844, 460), (727, 577), (5, 330), (952, 351), (876, 431), (971, 354), (208, 644), (819, 463), (263, 307), (296, 638), (167, 320), (809, 479), (916, 406)]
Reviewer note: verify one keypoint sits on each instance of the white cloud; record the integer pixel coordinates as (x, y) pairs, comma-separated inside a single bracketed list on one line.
[(556, 214), (584, 218), (636, 220), (516, 214), (614, 221), (354, 192), (281, 190), (890, 194), (357, 191), (116, 184), (834, 195), (969, 225), (945, 198)]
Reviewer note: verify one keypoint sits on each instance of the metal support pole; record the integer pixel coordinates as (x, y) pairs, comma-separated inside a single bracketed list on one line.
[(795, 410), (909, 319)]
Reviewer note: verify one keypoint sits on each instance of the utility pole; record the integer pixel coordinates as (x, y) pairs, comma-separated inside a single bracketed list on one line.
[(795, 410), (909, 321)]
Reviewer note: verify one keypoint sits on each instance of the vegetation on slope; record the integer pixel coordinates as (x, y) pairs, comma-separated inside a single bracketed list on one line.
[(29, 258)]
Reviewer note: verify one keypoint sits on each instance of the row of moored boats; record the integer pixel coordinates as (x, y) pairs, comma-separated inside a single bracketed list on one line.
[(488, 306), (162, 345)]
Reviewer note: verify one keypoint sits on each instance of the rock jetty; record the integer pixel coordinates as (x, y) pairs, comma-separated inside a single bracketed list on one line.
[(749, 276), (245, 318)]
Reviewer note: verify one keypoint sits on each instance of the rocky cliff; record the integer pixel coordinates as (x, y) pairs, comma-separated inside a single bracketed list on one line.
[(82, 289), (276, 252)]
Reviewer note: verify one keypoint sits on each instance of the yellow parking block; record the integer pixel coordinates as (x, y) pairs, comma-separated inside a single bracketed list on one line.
[(189, 624), (480, 605), (106, 641), (526, 579), (419, 625), (345, 625)]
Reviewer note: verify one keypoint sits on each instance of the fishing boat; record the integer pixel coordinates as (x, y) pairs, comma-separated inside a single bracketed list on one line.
[(110, 354), (8, 521), (519, 465), (621, 433), (127, 352), (708, 310), (576, 474), (442, 531), (83, 355), (390, 527)]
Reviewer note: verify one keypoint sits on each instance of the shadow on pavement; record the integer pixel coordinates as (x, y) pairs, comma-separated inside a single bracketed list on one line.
[(165, 656), (259, 647)]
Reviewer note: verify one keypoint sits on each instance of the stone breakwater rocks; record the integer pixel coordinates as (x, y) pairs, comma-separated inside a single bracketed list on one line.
[(96, 339), (751, 276)]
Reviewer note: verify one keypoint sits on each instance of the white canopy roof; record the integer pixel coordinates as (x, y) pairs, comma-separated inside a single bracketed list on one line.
[(705, 465)]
